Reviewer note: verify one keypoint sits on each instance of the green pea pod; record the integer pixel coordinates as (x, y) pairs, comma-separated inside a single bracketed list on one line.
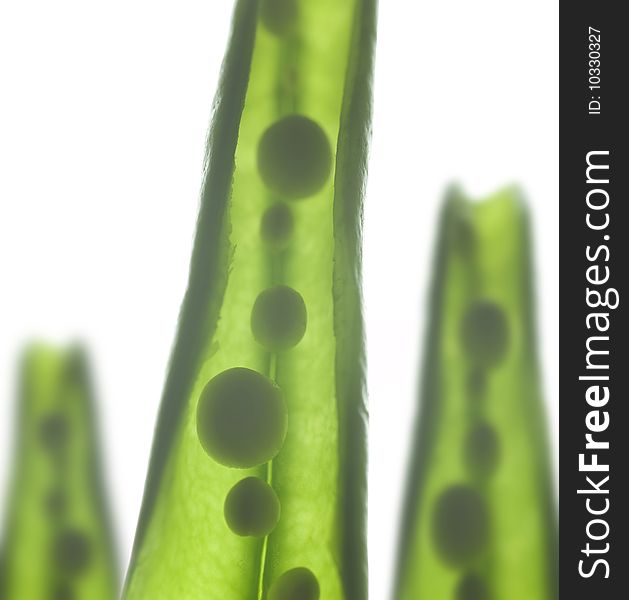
[(58, 543), (257, 478), (479, 521)]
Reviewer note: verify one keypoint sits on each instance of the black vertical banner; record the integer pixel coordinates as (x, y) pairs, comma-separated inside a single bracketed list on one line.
[(594, 267)]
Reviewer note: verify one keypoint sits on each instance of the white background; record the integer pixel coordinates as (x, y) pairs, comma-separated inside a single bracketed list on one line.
[(103, 114)]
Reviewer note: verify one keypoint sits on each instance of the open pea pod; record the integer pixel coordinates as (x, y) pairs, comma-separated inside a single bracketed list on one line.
[(256, 483), (58, 542), (479, 521)]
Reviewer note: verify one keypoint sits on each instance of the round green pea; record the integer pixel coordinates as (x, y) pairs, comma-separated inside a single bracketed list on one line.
[(482, 449), (54, 431), (296, 584), (252, 508), (484, 333), (55, 503), (72, 551), (460, 524), (278, 318), (277, 225), (476, 383), (241, 418), (294, 157), (279, 16), (472, 587), (62, 591)]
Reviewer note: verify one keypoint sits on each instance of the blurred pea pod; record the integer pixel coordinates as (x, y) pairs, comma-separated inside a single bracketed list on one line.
[(479, 521), (58, 542), (256, 484)]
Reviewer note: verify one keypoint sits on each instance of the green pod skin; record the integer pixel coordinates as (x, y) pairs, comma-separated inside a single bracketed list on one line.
[(58, 541), (305, 65), (480, 520)]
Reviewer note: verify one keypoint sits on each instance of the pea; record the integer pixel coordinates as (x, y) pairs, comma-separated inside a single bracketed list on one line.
[(484, 333), (294, 157), (476, 383), (73, 551), (56, 502), (297, 584), (62, 591), (252, 508), (277, 225), (461, 524), (479, 523), (241, 418), (472, 587), (279, 16), (482, 449), (278, 318), (54, 431)]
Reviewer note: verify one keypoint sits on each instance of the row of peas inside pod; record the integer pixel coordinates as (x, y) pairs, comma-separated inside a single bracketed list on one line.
[(258, 469), (479, 519), (242, 418), (58, 538)]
